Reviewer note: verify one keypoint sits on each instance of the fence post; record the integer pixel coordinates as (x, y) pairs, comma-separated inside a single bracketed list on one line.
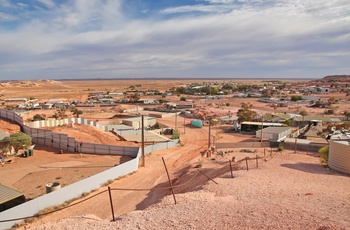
[(271, 152), (246, 162), (264, 152), (295, 145), (110, 199), (257, 163), (171, 185), (231, 169)]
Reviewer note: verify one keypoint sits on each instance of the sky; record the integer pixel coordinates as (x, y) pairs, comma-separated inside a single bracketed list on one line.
[(82, 39)]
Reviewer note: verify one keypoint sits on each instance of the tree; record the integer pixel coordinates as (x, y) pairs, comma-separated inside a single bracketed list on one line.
[(347, 115), (296, 98), (183, 99), (76, 112), (134, 97), (289, 122), (331, 100), (18, 141), (265, 92), (60, 113), (38, 117), (245, 113), (303, 112)]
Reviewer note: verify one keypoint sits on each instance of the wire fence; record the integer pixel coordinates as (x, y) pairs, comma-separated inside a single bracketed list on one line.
[(212, 168)]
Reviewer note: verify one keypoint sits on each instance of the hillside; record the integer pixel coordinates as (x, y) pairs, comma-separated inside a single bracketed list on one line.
[(337, 78), (289, 191)]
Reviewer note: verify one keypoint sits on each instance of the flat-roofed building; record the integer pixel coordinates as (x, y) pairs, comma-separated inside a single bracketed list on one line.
[(274, 133)]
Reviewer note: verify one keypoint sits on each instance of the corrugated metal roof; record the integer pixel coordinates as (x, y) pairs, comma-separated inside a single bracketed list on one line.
[(311, 118), (275, 129), (3, 134), (259, 123), (7, 194)]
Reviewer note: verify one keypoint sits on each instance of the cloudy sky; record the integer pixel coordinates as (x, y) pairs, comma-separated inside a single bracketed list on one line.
[(78, 39)]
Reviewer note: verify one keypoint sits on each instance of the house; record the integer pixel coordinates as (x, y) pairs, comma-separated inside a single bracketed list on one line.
[(281, 117), (250, 126), (136, 122), (15, 99), (47, 106), (149, 101), (304, 120), (116, 94), (228, 119), (275, 134), (10, 197)]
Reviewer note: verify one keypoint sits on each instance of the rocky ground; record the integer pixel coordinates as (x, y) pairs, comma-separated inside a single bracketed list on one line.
[(289, 191)]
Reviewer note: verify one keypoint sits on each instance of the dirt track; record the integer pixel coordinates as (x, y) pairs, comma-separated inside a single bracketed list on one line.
[(152, 176)]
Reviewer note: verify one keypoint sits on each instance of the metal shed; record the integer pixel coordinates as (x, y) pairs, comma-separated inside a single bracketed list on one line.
[(10, 197)]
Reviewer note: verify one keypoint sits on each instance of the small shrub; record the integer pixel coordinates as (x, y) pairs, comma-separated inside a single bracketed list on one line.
[(324, 152), (198, 166), (280, 148)]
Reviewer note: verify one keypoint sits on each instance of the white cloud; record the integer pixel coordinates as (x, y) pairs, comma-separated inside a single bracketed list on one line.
[(7, 17), (48, 3), (94, 36)]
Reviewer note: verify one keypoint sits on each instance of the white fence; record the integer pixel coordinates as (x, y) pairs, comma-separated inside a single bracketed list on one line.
[(66, 121), (62, 141)]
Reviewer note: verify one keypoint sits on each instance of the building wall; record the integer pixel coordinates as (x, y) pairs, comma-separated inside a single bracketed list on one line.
[(339, 156)]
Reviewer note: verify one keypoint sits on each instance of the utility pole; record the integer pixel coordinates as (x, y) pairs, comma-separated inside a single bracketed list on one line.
[(209, 134), (175, 119), (143, 141), (184, 125), (262, 126)]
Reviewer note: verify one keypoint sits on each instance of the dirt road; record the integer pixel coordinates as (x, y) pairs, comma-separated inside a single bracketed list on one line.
[(152, 177)]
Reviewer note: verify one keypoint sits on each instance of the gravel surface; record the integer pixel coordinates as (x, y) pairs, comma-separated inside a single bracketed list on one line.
[(289, 191)]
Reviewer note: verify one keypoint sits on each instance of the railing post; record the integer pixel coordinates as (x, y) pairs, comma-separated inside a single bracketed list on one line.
[(246, 162), (111, 201)]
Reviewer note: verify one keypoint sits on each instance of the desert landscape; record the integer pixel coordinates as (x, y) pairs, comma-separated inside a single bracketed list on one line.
[(284, 190)]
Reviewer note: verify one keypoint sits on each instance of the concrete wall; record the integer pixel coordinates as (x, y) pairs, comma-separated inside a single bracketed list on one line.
[(160, 146), (62, 141), (298, 132), (302, 144), (242, 145), (64, 194), (339, 156)]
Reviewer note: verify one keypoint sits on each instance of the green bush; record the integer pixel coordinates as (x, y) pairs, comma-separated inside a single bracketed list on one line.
[(281, 148), (324, 152), (176, 135)]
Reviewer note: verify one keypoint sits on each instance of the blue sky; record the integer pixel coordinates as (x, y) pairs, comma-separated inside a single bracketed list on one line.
[(66, 39)]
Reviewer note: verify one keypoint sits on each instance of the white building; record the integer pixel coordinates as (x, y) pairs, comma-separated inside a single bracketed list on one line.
[(136, 122), (274, 133)]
